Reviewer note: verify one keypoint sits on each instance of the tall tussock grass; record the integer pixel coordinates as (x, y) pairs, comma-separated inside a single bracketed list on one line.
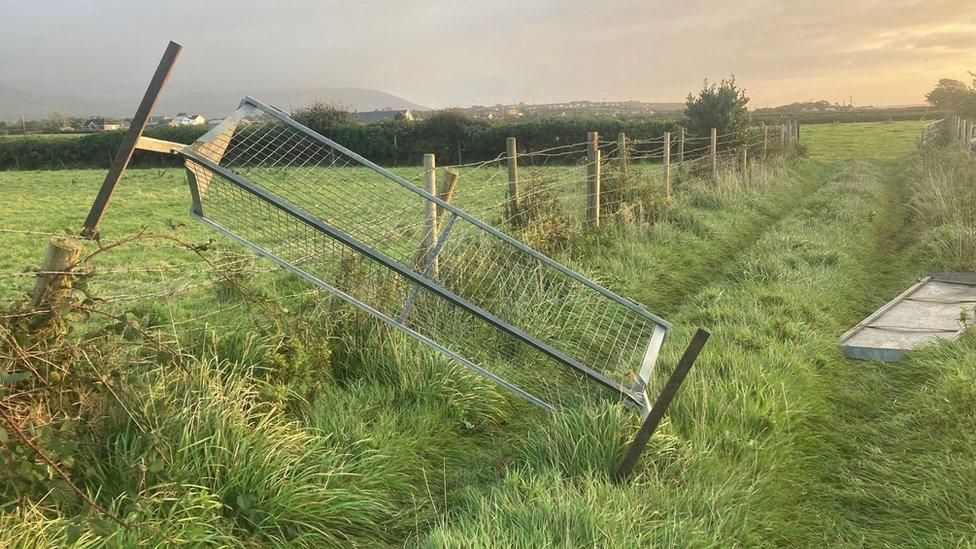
[(943, 200)]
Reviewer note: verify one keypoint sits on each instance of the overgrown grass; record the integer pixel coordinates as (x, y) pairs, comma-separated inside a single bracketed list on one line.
[(329, 430)]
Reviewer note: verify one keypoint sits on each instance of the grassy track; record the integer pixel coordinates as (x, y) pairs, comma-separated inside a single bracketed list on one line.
[(334, 432), (778, 440)]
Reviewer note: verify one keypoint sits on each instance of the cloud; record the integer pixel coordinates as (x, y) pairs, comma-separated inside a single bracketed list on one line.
[(457, 53)]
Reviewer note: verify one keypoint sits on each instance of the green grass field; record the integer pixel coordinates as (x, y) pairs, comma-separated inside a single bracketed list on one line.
[(872, 140), (291, 420)]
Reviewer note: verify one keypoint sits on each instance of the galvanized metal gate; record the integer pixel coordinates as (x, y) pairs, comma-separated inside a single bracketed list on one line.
[(462, 287)]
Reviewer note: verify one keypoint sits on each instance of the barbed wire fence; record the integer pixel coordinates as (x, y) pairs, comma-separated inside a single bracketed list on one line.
[(196, 286), (626, 179), (619, 178)]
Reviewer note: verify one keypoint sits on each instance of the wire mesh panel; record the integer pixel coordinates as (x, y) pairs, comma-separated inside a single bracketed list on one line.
[(431, 270)]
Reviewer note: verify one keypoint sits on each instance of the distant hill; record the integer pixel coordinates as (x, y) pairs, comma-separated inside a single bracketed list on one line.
[(15, 103)]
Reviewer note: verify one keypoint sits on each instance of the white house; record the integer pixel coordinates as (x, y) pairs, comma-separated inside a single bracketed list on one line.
[(388, 114), (162, 120), (101, 125), (184, 119)]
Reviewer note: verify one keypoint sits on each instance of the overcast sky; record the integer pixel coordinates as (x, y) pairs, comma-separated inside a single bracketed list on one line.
[(440, 53)]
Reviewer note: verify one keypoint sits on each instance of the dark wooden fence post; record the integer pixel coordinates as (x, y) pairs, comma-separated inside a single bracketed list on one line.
[(637, 447), (138, 125)]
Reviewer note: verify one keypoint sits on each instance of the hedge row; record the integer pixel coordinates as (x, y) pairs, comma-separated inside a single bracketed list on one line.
[(389, 143), (94, 150)]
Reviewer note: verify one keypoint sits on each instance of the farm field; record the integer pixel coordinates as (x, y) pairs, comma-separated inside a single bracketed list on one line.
[(877, 140), (293, 420)]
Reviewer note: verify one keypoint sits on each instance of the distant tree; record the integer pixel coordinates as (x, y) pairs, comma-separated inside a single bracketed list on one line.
[(323, 117), (448, 124), (721, 106), (445, 130), (951, 95)]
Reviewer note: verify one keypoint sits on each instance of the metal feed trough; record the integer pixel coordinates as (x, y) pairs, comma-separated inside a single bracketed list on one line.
[(460, 286), (940, 307)]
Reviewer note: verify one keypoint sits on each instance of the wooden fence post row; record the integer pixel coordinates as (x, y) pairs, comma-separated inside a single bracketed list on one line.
[(593, 179), (788, 131)]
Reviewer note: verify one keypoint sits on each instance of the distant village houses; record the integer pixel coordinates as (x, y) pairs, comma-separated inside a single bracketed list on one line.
[(389, 114), (101, 125), (181, 119), (184, 119)]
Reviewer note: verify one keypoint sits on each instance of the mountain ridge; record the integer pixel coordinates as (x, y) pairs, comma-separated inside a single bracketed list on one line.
[(15, 102)]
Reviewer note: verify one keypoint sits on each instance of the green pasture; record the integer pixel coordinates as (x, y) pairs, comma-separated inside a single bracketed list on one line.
[(292, 420)]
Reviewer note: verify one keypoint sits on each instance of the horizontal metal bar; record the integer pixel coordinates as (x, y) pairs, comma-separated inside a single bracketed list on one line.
[(468, 217), (521, 393), (650, 358), (407, 273)]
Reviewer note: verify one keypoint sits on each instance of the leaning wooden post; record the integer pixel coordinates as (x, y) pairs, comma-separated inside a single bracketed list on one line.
[(667, 164), (623, 158), (713, 154), (53, 279), (593, 179), (430, 216), (681, 145), (128, 146), (514, 200), (445, 191), (656, 414)]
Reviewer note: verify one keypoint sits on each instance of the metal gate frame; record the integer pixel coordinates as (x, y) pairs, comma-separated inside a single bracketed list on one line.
[(634, 396)]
